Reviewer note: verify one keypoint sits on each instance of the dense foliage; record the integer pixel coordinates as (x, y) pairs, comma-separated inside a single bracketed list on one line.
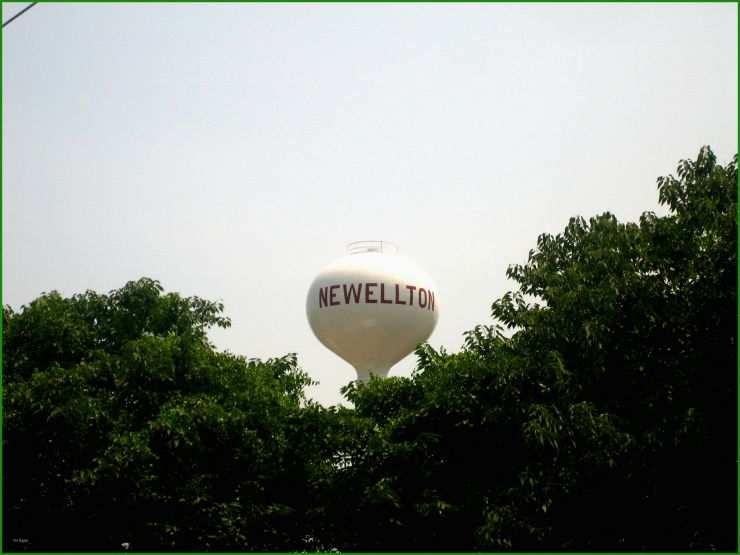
[(598, 413), (606, 421), (124, 425)]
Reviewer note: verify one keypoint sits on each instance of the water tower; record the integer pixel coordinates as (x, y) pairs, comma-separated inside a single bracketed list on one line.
[(372, 307)]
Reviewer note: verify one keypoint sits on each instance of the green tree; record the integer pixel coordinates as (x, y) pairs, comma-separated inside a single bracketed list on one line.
[(605, 420), (644, 316), (124, 425)]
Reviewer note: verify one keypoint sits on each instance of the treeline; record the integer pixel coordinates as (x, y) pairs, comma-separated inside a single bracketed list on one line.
[(599, 413)]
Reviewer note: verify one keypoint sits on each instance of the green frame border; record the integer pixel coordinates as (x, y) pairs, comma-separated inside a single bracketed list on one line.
[(2, 31)]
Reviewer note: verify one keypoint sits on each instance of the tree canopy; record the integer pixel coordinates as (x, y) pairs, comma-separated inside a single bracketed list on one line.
[(124, 425), (597, 412)]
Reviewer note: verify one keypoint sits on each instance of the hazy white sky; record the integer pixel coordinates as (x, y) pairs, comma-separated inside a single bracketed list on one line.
[(231, 150)]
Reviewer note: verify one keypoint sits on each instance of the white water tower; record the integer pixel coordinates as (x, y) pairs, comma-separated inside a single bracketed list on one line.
[(372, 307)]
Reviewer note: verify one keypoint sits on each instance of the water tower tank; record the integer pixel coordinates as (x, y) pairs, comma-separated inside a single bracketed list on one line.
[(372, 307)]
